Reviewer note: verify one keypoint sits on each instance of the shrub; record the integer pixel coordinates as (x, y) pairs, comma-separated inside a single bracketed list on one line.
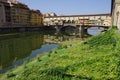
[(49, 55), (60, 47), (38, 59), (10, 74), (106, 38)]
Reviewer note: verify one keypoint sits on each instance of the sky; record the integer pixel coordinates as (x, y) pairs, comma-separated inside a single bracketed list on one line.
[(70, 7)]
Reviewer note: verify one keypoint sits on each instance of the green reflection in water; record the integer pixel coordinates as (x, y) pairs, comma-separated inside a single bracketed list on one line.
[(18, 46)]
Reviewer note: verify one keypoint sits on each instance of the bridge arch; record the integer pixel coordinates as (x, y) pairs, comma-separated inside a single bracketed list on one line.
[(69, 29)]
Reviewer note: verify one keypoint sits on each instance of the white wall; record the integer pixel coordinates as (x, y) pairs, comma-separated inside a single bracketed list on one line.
[(116, 18)]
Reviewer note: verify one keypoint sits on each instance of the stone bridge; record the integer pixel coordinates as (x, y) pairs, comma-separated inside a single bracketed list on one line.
[(110, 19), (86, 26), (92, 19)]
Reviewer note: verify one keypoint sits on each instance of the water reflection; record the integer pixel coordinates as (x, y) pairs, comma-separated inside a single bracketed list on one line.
[(95, 30), (15, 47)]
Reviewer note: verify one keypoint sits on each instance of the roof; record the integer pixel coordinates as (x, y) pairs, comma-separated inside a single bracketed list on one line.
[(21, 5), (5, 3), (36, 11), (108, 14)]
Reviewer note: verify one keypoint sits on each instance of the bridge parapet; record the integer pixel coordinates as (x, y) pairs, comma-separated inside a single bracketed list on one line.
[(99, 19), (85, 25)]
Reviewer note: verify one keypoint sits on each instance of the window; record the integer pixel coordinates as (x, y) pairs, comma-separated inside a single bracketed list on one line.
[(16, 11), (0, 5)]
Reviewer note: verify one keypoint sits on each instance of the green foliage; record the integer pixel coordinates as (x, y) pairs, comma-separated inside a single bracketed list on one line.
[(10, 74), (39, 59), (62, 46), (49, 55), (106, 38), (27, 61), (95, 59), (114, 27)]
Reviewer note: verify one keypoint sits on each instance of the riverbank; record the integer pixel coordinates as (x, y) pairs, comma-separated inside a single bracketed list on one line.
[(97, 58)]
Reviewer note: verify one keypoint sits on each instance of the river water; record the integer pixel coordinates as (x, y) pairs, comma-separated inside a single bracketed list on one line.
[(19, 47)]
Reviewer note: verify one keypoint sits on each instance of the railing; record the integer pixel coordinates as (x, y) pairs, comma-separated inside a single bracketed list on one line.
[(89, 24)]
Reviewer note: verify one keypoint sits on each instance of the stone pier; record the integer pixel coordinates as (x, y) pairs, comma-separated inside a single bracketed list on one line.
[(81, 31)]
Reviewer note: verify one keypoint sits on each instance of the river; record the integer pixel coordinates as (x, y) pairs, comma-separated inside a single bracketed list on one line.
[(16, 48)]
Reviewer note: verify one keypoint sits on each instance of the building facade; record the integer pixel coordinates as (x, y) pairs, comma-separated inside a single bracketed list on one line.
[(5, 17), (116, 13), (16, 14), (50, 14), (20, 14), (36, 18), (2, 13)]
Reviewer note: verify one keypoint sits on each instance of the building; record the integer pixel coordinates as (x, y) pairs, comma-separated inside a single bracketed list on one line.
[(9, 0), (13, 13), (16, 14), (36, 18), (50, 15), (12, 1), (40, 22), (107, 22), (53, 14), (39, 18), (83, 21), (2, 13), (116, 13), (5, 18), (20, 14), (47, 15)]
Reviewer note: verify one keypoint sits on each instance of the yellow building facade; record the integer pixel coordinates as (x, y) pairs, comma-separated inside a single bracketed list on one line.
[(36, 18), (20, 14), (2, 13), (47, 15)]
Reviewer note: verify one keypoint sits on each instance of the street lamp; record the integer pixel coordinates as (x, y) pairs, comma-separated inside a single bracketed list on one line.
[(117, 17)]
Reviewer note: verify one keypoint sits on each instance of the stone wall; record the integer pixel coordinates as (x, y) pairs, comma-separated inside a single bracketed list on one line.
[(116, 13)]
